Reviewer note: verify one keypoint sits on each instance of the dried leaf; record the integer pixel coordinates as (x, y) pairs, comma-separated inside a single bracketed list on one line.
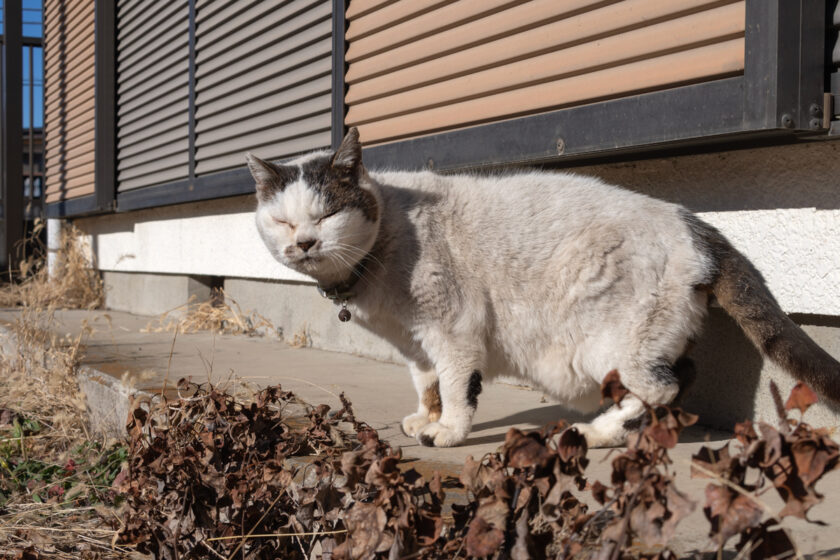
[(801, 397), (612, 388), (730, 513)]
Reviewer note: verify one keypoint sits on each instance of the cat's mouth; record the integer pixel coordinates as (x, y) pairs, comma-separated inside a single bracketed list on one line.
[(307, 260)]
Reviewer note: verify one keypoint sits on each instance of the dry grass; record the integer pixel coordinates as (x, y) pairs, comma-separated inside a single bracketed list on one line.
[(220, 314), (75, 284), (47, 503)]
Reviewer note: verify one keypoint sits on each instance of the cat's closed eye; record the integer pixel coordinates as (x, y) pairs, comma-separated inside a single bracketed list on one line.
[(325, 216), (283, 222)]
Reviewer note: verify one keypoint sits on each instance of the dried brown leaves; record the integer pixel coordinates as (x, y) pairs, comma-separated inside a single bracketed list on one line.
[(214, 477), (792, 459), (207, 471)]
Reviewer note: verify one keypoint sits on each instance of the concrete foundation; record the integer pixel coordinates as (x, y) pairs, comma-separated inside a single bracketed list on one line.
[(152, 294), (299, 311), (733, 379)]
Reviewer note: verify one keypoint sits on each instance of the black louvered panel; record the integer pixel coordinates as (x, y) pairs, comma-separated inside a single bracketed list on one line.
[(152, 92), (262, 80)]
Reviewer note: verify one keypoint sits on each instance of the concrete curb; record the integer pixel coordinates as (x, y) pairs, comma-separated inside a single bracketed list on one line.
[(108, 400)]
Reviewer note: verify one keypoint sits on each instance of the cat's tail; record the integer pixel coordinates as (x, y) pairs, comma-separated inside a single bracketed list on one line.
[(742, 292)]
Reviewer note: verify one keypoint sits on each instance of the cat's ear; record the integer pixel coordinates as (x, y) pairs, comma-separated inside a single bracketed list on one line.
[(348, 156), (268, 176)]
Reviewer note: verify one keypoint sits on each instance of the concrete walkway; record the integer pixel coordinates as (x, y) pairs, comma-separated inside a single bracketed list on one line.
[(118, 355)]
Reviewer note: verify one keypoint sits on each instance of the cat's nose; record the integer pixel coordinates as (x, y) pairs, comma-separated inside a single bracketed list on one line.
[(306, 244)]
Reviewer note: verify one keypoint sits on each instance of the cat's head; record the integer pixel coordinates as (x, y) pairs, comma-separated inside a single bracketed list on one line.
[(318, 214)]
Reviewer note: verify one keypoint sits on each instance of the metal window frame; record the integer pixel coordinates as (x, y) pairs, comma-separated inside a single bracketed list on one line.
[(12, 129), (779, 98)]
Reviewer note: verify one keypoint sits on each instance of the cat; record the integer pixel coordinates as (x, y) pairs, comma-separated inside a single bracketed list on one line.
[(552, 277)]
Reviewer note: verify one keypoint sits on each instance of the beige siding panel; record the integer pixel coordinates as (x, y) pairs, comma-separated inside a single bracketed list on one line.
[(61, 162), (68, 98), (58, 167), (80, 108), (73, 27), (152, 94), (237, 24), (82, 137), (158, 84), (159, 49), (80, 53), (248, 140), (450, 15), (150, 26), (716, 60), (358, 8), (127, 11), (273, 150), (392, 14), (263, 79), (479, 44), (72, 173), (70, 157), (162, 107), (714, 25), (80, 181), (78, 82), (205, 9), (153, 142), (57, 105), (175, 125), (248, 51), (264, 63), (164, 160), (158, 154), (66, 18), (217, 13), (53, 195), (170, 63), (79, 58), (275, 119), (258, 84), (76, 22), (157, 178), (163, 114), (281, 98)]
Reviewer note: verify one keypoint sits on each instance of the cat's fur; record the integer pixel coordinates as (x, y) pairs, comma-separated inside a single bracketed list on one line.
[(552, 277)]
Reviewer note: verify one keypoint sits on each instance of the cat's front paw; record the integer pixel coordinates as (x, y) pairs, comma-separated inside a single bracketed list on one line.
[(412, 423), (436, 434), (600, 438)]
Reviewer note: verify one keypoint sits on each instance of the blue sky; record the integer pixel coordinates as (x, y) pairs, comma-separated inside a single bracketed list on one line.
[(32, 27)]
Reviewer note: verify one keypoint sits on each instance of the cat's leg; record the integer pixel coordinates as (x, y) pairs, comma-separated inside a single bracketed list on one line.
[(426, 384), (459, 378), (655, 385)]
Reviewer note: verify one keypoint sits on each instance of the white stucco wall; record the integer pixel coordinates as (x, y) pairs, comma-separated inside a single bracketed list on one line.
[(779, 205), (216, 238)]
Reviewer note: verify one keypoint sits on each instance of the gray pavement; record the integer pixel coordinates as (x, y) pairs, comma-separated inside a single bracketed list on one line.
[(381, 394)]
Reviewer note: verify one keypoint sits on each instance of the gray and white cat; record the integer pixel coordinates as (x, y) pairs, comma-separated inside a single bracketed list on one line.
[(551, 277)]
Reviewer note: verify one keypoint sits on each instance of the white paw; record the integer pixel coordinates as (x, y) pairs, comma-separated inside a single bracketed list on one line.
[(598, 438), (412, 423), (436, 434)]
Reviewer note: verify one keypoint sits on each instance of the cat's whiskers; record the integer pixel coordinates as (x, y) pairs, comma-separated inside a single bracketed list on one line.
[(360, 252)]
